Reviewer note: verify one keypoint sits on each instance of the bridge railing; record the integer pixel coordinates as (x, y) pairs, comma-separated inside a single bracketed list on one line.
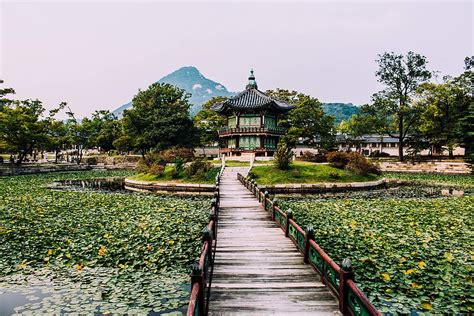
[(339, 279), (201, 270)]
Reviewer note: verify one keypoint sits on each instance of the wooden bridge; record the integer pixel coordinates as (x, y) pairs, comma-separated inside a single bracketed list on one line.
[(252, 268)]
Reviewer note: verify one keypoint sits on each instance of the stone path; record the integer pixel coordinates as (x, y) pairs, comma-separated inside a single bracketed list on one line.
[(258, 271)]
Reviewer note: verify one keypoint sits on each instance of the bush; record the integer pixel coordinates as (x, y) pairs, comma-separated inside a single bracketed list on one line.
[(379, 154), (312, 157), (361, 165), (156, 169), (178, 164), (283, 156), (91, 160), (169, 155), (197, 168), (151, 161), (338, 159), (352, 161)]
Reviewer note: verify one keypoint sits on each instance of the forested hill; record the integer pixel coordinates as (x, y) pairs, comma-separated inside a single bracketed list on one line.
[(341, 111), (190, 79), (202, 89)]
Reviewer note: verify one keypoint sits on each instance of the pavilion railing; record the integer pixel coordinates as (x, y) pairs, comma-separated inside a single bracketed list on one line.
[(339, 279), (251, 130), (201, 270)]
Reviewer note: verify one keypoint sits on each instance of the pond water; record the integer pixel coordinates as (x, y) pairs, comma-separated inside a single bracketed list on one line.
[(105, 184), (401, 192)]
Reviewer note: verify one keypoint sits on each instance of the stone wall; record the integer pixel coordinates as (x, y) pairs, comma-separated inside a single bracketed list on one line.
[(159, 187), (448, 167)]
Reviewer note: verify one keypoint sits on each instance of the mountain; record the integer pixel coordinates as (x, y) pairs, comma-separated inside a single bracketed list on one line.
[(203, 89), (190, 79), (341, 111)]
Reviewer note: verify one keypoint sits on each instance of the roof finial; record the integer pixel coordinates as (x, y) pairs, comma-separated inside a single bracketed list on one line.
[(252, 83)]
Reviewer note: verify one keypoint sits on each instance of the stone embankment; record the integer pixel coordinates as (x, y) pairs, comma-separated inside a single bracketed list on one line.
[(447, 167), (160, 187)]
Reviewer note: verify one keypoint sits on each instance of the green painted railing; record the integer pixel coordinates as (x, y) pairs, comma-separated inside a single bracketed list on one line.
[(340, 280)]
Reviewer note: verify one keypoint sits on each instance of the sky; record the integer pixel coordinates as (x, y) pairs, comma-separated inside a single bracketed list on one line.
[(96, 55)]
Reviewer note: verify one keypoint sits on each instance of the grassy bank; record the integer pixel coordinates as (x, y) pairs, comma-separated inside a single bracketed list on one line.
[(170, 176), (306, 172)]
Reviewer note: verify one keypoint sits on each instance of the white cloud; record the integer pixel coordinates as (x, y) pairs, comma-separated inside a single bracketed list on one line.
[(209, 91), (219, 87), (197, 86)]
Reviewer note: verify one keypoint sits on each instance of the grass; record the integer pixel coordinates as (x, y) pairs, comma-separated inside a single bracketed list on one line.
[(167, 177), (306, 172), (235, 163)]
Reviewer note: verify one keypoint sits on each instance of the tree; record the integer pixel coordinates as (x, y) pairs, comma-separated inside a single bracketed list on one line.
[(307, 121), (283, 156), (21, 128), (103, 128), (466, 123), (401, 76), (159, 119), (209, 122)]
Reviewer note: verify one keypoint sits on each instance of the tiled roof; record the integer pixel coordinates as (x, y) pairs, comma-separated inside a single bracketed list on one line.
[(252, 99)]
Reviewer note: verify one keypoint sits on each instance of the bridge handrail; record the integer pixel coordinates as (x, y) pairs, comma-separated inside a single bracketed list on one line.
[(201, 271), (339, 279)]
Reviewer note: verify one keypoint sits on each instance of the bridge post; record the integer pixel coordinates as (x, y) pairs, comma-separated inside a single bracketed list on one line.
[(308, 236), (274, 205), (266, 194), (345, 274), (198, 278), (289, 215)]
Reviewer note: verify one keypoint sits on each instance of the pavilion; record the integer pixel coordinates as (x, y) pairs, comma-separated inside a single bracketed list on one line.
[(252, 122)]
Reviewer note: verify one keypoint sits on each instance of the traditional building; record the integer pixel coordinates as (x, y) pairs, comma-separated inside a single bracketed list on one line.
[(252, 122)]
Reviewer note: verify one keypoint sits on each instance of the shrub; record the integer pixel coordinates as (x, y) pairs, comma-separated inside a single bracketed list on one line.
[(178, 164), (283, 156), (379, 154), (91, 160), (312, 157), (197, 168), (251, 175), (361, 165), (169, 155), (156, 169), (338, 159)]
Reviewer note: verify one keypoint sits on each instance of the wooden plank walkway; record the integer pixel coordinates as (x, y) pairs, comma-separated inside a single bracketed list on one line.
[(257, 270)]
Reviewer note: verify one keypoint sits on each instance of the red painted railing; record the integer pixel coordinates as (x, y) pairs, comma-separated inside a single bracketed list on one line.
[(340, 280), (201, 274)]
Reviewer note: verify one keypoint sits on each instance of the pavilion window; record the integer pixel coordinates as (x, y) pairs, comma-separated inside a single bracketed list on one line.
[(231, 143), (232, 122), (270, 122), (249, 142), (248, 120)]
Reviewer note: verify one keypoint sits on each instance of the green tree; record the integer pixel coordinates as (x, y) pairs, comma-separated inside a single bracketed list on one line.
[(21, 127), (307, 121), (209, 122), (401, 76), (159, 119)]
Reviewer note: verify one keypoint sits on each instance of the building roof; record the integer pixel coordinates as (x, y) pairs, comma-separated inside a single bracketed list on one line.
[(252, 99)]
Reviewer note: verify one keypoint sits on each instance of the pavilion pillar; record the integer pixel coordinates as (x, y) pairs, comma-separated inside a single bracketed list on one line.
[(237, 141)]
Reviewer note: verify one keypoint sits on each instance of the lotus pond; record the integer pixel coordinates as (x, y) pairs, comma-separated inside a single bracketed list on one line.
[(412, 248), (95, 252)]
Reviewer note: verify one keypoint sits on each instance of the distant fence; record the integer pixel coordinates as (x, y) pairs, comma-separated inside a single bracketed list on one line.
[(340, 280), (201, 271)]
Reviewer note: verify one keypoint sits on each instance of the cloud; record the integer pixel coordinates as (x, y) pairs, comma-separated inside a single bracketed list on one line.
[(219, 87), (197, 86)]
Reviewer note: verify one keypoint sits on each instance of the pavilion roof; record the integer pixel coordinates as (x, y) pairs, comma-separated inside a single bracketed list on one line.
[(252, 99)]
